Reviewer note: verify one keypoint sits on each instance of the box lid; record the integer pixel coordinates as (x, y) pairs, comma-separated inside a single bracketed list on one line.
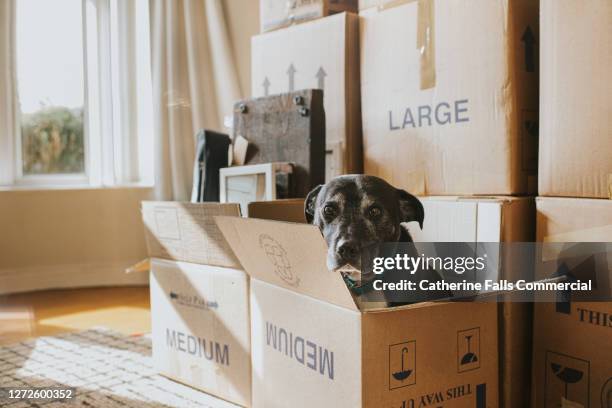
[(288, 255), (187, 232)]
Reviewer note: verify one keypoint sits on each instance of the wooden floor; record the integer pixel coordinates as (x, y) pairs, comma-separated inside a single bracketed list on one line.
[(35, 314)]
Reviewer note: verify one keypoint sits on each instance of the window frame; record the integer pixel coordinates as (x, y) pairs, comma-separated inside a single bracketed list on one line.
[(110, 160), (54, 179)]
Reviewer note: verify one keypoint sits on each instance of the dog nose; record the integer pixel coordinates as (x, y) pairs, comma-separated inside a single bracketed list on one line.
[(348, 250)]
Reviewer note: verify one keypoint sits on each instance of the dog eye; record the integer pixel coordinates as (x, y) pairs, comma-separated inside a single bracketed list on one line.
[(329, 210), (374, 212)]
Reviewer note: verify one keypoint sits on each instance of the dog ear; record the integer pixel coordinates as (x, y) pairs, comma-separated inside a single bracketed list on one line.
[(310, 203), (411, 208)]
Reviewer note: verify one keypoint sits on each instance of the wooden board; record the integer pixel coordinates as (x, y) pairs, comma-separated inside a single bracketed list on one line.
[(288, 127)]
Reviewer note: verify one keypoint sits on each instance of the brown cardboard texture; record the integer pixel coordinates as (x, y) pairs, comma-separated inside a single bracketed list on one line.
[(187, 232), (492, 219), (311, 346), (291, 210), (276, 14), (576, 115), (321, 54), (573, 220), (573, 340), (572, 346), (200, 327), (448, 106), (200, 312)]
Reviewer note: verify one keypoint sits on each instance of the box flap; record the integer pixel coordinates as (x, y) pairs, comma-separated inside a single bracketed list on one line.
[(288, 255), (187, 232), (290, 210)]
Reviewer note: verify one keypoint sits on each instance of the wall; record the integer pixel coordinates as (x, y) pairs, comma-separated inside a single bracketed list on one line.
[(69, 238)]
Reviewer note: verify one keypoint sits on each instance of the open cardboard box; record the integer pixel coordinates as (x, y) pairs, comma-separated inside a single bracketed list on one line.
[(312, 346), (199, 300)]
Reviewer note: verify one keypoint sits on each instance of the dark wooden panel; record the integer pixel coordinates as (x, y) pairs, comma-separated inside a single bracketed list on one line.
[(286, 128)]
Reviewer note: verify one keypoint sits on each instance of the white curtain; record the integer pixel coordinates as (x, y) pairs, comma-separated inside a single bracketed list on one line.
[(7, 87), (194, 85)]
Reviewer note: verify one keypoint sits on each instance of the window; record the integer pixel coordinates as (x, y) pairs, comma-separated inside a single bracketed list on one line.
[(83, 99)]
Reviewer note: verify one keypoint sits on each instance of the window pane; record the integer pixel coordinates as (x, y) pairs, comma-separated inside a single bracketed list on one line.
[(51, 85)]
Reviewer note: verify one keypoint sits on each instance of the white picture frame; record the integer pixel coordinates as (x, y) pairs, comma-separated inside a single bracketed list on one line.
[(245, 184)]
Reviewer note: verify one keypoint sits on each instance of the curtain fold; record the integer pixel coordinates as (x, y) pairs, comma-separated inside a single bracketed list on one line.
[(194, 85), (7, 88)]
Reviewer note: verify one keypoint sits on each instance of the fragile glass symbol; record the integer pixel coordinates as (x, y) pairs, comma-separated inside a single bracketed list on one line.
[(469, 357), (402, 374), (566, 374)]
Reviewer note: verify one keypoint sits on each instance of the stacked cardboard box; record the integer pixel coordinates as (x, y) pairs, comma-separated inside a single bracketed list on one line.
[(322, 54), (574, 335), (575, 160), (274, 14), (451, 108), (576, 99), (199, 300)]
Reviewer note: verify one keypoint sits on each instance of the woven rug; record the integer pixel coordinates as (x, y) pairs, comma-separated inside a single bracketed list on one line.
[(106, 369)]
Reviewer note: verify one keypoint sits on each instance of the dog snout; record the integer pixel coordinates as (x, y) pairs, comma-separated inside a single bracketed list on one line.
[(348, 250)]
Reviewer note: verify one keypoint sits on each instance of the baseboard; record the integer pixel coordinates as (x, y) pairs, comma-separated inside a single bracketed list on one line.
[(69, 276)]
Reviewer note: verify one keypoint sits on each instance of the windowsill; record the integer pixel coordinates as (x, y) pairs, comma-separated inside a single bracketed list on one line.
[(72, 187)]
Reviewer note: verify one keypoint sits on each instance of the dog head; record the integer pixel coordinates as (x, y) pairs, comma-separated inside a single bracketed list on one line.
[(356, 212)]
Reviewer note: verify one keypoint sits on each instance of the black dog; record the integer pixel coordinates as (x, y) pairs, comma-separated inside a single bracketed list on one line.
[(358, 213)]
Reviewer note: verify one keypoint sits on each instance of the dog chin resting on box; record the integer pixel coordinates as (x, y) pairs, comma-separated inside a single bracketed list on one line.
[(356, 215)]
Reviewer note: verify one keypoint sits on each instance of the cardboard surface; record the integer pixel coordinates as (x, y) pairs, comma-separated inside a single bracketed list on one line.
[(321, 54), (187, 232), (492, 219), (291, 210), (571, 355), (573, 220), (200, 327), (276, 14), (573, 335), (306, 353), (436, 340), (576, 115), (450, 107), (289, 255)]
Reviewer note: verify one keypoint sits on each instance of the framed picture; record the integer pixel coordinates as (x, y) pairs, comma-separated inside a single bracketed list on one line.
[(257, 182)]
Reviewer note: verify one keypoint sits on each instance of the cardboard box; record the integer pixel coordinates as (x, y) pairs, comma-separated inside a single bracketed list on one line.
[(492, 219), (571, 355), (200, 311), (321, 54), (449, 106), (291, 210), (573, 335), (573, 220), (576, 99), (276, 14), (311, 346)]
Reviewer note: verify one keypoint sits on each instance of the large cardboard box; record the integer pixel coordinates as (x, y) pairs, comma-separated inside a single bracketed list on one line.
[(450, 106), (200, 309), (484, 220), (312, 346), (322, 54), (576, 99), (274, 14), (573, 340)]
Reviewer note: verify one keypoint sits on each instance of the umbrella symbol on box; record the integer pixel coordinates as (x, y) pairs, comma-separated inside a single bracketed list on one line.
[(566, 374), (402, 364), (469, 357), (403, 373)]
